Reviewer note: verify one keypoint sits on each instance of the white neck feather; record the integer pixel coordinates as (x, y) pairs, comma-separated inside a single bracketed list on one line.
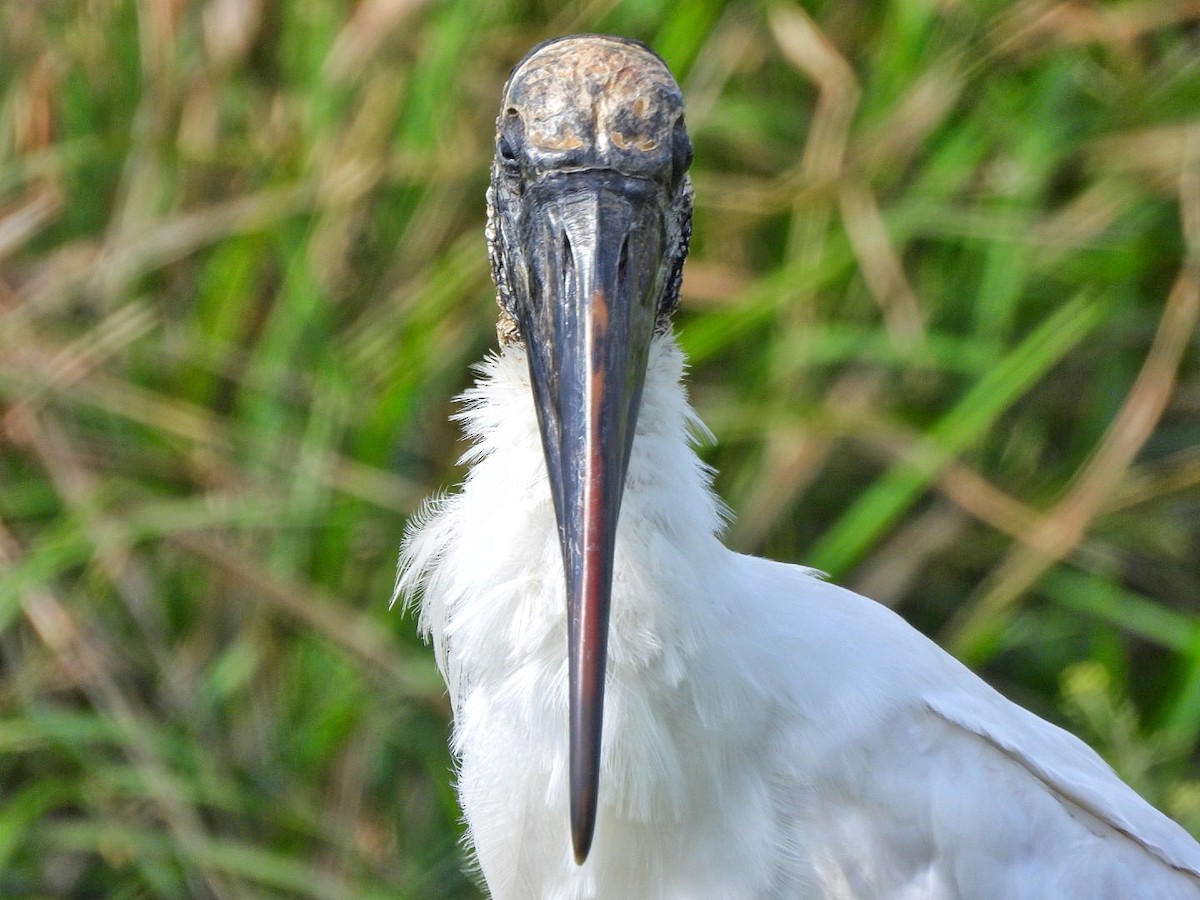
[(487, 567)]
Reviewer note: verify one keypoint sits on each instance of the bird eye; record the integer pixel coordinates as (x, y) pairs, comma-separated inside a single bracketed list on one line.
[(510, 138), (681, 148)]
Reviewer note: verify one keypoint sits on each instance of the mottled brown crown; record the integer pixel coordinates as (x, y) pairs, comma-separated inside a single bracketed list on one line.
[(602, 99)]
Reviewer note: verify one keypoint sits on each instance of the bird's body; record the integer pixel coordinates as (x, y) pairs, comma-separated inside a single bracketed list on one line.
[(765, 734)]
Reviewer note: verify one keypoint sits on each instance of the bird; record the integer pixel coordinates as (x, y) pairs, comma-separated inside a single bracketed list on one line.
[(639, 711)]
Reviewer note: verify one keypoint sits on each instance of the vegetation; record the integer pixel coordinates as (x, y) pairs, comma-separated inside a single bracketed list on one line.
[(942, 314)]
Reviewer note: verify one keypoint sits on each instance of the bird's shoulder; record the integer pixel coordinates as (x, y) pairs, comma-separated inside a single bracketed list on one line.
[(895, 735)]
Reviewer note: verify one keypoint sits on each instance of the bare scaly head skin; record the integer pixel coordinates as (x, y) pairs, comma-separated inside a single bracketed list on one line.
[(590, 102), (604, 100), (589, 215)]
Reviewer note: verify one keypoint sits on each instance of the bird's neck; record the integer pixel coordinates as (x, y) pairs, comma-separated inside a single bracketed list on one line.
[(487, 564)]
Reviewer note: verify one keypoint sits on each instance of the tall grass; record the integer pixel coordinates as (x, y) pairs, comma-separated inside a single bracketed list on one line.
[(942, 314)]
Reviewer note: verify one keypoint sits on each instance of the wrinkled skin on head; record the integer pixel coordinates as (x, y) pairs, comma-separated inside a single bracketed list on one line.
[(589, 101)]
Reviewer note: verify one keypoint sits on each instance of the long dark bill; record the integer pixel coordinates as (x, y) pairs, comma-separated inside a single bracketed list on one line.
[(594, 244)]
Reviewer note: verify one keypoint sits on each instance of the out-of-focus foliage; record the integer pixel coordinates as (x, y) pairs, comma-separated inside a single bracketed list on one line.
[(942, 312)]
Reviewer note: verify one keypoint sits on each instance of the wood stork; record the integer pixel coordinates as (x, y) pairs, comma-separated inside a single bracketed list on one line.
[(766, 734)]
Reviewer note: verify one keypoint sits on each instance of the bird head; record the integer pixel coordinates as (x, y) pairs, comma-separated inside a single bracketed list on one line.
[(589, 217)]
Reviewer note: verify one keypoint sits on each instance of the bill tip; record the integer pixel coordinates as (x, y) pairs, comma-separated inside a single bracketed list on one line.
[(583, 846)]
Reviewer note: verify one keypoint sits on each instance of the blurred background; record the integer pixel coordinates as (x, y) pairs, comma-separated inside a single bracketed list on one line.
[(941, 311)]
